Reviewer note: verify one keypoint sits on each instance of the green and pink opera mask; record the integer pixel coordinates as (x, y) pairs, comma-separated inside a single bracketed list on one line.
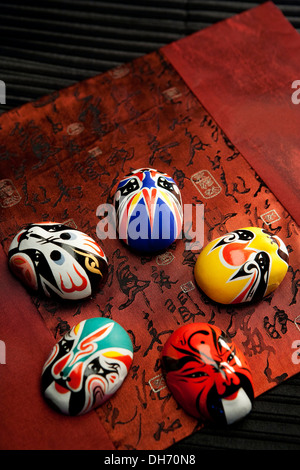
[(87, 366)]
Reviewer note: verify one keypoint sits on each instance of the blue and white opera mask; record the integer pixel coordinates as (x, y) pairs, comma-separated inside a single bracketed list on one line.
[(148, 210)]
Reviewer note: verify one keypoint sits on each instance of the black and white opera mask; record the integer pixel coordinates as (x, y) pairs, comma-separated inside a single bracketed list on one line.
[(58, 261)]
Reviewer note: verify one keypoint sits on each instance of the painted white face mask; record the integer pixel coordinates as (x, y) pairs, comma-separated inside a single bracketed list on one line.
[(58, 261)]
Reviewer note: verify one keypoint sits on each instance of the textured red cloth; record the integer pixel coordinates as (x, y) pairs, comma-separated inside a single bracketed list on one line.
[(61, 158), (25, 423), (242, 71)]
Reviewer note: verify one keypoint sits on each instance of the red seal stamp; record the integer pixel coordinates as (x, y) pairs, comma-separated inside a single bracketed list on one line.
[(206, 184), (9, 195)]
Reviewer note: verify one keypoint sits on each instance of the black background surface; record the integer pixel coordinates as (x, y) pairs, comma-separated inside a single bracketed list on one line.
[(48, 45)]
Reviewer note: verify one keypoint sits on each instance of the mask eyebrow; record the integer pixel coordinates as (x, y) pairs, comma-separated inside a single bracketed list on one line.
[(171, 364), (186, 352), (189, 369), (42, 239)]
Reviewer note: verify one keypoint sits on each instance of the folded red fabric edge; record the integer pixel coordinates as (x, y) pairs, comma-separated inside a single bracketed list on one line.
[(28, 342), (242, 70)]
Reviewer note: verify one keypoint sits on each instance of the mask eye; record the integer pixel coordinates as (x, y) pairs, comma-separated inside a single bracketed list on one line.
[(68, 236), (66, 345), (196, 375), (95, 367), (164, 183), (57, 257), (129, 187), (231, 356)]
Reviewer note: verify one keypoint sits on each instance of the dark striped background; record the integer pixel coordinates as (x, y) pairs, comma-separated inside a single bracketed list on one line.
[(48, 45)]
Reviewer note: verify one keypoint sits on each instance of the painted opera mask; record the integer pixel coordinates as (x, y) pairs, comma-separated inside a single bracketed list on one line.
[(242, 266), (148, 210), (57, 260), (87, 366), (207, 374)]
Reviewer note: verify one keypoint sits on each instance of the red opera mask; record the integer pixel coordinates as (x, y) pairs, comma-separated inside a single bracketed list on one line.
[(207, 374)]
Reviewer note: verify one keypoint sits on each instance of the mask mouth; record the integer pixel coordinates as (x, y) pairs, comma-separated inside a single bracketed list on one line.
[(61, 387), (233, 405), (236, 406), (57, 395)]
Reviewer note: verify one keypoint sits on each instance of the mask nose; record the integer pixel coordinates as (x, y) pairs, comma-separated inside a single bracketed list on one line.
[(150, 195), (62, 377), (225, 377)]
